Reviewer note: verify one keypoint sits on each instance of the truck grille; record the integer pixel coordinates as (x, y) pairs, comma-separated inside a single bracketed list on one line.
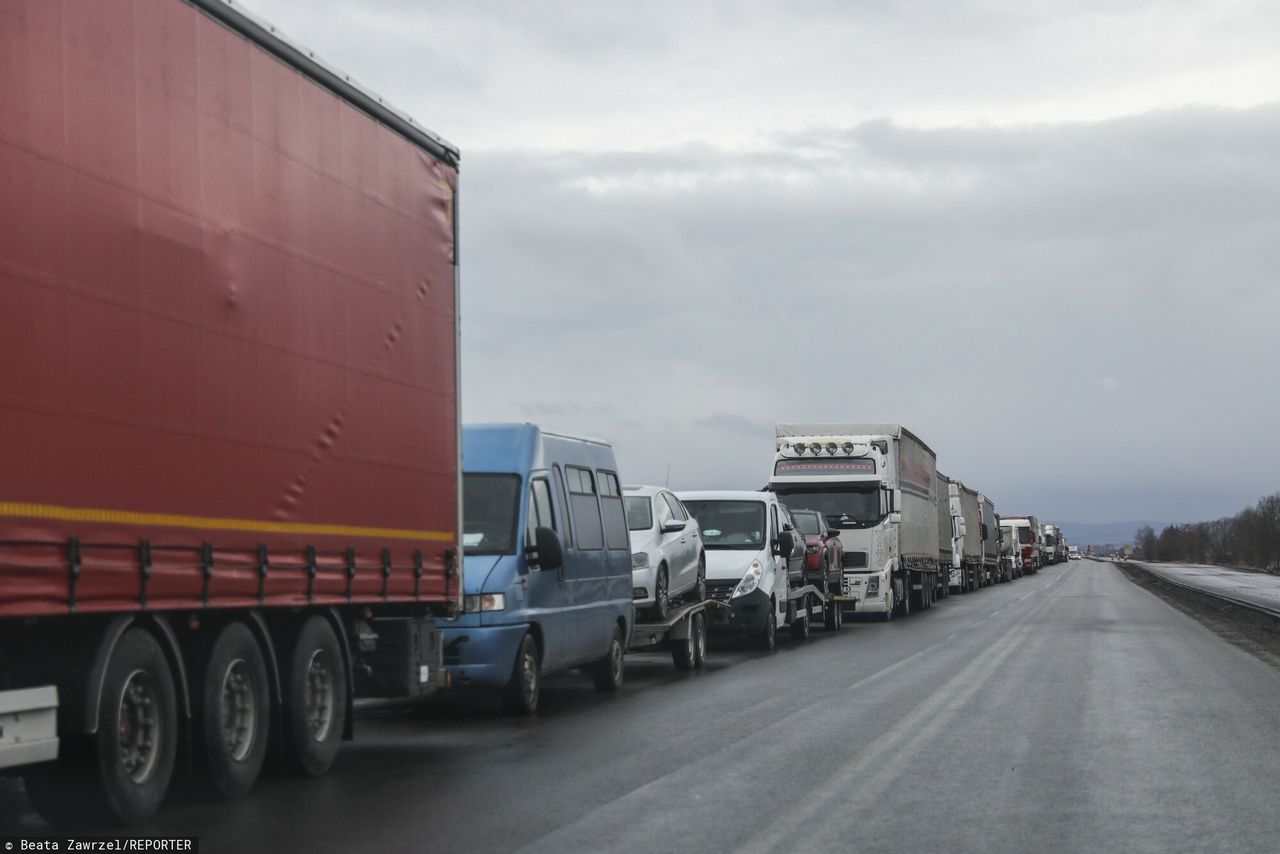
[(855, 560), (720, 591)]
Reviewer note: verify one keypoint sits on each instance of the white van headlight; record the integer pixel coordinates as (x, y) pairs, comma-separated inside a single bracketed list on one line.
[(751, 580)]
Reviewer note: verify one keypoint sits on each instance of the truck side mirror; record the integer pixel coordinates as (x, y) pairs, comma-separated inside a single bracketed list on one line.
[(550, 555), (895, 518), (897, 503)]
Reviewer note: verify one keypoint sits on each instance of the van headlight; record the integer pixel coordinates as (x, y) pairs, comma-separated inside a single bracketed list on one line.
[(485, 602), (751, 580), (639, 560)]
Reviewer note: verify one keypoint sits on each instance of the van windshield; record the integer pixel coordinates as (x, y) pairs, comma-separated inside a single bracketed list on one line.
[(489, 505), (729, 524), (854, 506)]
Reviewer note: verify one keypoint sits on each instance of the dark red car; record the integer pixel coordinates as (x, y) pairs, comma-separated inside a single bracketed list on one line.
[(823, 552)]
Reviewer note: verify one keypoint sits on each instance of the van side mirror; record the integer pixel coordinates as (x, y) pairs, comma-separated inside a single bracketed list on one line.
[(550, 555), (672, 525), (786, 544)]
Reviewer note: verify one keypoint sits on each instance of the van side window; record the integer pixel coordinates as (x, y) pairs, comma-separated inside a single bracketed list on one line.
[(567, 534), (585, 507), (541, 514), (615, 516)]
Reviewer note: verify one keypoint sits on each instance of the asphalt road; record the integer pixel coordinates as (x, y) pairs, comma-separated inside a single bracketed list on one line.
[(1259, 589), (1069, 711)]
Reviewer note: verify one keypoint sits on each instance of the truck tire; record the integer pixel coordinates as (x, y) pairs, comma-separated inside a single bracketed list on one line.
[(235, 711), (121, 773), (315, 697), (800, 621), (520, 695), (607, 672)]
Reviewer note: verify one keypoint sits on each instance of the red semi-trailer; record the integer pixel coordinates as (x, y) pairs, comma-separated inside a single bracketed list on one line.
[(229, 444)]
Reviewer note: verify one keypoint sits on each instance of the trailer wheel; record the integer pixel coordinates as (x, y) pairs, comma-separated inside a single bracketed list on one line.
[(520, 695), (699, 631), (800, 624), (832, 615), (607, 672), (683, 654), (122, 773), (316, 697), (236, 711)]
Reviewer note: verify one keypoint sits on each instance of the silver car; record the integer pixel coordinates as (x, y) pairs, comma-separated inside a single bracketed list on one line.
[(667, 558)]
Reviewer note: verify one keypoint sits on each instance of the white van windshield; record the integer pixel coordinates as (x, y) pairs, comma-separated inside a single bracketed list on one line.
[(730, 524)]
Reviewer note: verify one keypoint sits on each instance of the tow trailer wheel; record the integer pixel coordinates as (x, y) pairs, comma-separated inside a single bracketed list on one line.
[(316, 697), (691, 653), (832, 615), (800, 623), (236, 711)]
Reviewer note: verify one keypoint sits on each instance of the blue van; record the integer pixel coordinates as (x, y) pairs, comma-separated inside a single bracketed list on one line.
[(547, 566)]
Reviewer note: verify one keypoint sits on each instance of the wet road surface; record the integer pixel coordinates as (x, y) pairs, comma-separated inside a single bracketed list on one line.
[(1067, 711), (1259, 589)]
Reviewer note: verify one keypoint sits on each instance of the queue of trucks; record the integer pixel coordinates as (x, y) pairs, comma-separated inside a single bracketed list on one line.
[(235, 491)]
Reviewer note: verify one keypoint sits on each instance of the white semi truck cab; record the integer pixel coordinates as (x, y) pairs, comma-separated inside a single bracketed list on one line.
[(874, 483)]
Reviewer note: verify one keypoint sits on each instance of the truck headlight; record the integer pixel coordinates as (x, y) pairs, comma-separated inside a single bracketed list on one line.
[(485, 602), (639, 560), (751, 580)]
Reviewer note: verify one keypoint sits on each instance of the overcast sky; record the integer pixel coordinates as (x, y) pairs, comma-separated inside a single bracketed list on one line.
[(1044, 236)]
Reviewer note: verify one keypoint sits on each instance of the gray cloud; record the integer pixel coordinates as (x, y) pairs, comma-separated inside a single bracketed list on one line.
[(997, 222)]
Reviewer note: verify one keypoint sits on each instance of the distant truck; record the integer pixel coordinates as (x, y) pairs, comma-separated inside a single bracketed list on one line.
[(877, 485), (1051, 549), (951, 538), (992, 569), (229, 491), (1025, 542)]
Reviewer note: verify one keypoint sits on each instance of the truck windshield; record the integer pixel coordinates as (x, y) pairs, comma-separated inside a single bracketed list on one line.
[(639, 512), (853, 506), (729, 524), (1024, 535), (489, 505)]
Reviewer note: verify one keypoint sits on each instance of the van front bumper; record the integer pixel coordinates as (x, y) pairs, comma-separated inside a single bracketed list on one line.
[(482, 655), (746, 615)]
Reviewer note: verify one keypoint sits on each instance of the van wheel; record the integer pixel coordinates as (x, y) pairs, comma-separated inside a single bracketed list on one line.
[(520, 695), (768, 639), (316, 697), (236, 711), (607, 672)]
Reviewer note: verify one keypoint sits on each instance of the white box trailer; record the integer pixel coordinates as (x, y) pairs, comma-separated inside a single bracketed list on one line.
[(877, 484)]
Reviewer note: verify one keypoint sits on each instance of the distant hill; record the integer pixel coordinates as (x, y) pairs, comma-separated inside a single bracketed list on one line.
[(1114, 533)]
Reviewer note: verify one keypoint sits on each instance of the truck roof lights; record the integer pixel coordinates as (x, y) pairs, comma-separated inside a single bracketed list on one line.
[(831, 448), (848, 447)]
